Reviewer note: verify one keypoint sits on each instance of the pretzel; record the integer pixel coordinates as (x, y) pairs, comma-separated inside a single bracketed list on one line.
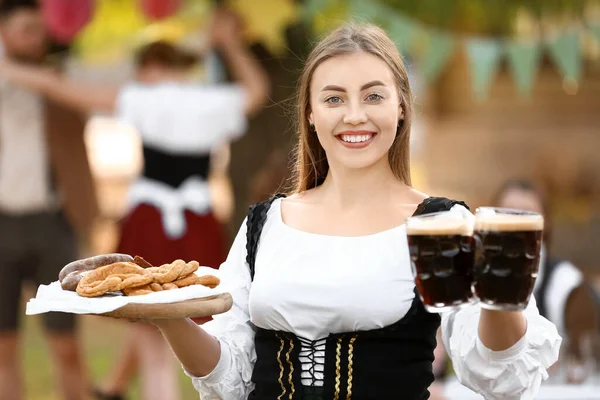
[(113, 278), (139, 277), (171, 272), (147, 289), (210, 281), (187, 281), (138, 291)]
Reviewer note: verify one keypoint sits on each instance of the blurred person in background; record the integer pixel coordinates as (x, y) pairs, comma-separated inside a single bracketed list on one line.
[(562, 293), (47, 202), (180, 123)]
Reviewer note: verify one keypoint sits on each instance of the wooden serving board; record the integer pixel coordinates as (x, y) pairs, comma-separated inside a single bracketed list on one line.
[(195, 308)]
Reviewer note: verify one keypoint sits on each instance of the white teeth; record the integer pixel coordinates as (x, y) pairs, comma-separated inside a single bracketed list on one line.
[(355, 138)]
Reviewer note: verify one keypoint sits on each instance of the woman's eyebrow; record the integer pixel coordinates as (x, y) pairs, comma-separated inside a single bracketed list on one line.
[(333, 88), (371, 84), (368, 85)]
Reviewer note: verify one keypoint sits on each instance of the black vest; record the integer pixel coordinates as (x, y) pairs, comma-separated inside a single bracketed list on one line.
[(389, 363), (173, 169)]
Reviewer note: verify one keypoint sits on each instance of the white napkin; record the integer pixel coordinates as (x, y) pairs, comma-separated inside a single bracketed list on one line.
[(53, 298)]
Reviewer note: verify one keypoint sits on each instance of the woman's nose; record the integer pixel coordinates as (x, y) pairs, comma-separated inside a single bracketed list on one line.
[(355, 115)]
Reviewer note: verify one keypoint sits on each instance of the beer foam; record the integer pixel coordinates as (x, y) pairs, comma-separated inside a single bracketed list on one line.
[(439, 226), (509, 223)]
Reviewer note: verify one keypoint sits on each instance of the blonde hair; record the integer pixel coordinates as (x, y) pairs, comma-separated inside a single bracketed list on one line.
[(311, 165)]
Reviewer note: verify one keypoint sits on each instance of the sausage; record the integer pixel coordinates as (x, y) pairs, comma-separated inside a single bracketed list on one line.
[(91, 263), (71, 281)]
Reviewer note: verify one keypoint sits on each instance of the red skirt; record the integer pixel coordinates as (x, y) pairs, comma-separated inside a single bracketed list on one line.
[(142, 234)]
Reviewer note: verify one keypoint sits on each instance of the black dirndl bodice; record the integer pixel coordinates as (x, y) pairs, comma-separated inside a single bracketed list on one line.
[(394, 362)]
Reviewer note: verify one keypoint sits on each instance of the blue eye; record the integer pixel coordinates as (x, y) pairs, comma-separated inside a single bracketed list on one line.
[(333, 100), (374, 97)]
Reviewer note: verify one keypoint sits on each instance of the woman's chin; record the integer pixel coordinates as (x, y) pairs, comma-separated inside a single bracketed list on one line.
[(360, 162)]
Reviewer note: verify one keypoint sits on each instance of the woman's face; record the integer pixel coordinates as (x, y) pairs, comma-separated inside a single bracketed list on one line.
[(355, 108), (521, 200)]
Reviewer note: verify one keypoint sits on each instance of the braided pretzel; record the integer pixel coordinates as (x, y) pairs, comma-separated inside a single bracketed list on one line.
[(113, 278), (210, 281), (133, 279), (207, 280), (171, 272)]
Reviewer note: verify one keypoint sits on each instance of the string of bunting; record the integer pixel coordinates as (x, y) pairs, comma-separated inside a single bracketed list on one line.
[(432, 48), (105, 31)]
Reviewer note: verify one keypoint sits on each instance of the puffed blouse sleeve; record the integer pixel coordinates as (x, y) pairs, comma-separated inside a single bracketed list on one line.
[(231, 378), (511, 374)]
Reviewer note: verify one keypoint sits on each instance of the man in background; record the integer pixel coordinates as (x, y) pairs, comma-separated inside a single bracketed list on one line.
[(47, 203)]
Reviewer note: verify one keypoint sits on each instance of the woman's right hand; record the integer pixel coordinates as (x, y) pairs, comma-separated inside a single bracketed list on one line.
[(198, 351)]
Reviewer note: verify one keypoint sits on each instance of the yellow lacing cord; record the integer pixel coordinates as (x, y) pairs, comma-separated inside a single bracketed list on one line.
[(338, 361), (280, 369), (287, 358), (350, 357)]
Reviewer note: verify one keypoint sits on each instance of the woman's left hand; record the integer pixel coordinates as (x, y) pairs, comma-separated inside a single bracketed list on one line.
[(500, 330)]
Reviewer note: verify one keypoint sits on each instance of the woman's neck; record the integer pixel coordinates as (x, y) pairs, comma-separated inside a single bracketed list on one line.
[(347, 187)]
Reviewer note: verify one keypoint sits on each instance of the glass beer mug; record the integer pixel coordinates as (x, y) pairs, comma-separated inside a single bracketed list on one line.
[(442, 256), (508, 244)]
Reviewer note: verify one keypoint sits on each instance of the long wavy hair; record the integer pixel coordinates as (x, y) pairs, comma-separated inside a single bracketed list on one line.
[(311, 165)]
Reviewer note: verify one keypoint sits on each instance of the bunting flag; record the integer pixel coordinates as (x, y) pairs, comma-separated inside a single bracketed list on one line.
[(364, 11), (332, 14), (484, 56), (65, 18), (159, 9), (523, 60), (313, 7), (266, 21), (438, 49), (565, 52), (106, 37), (402, 31)]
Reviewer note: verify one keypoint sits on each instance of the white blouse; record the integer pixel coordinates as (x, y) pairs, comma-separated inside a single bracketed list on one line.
[(312, 285), (183, 117), (180, 118)]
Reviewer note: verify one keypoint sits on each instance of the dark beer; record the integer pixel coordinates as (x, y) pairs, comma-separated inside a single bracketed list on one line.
[(508, 256), (442, 256)]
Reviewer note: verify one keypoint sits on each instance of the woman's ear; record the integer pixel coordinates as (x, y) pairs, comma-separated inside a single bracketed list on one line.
[(310, 118)]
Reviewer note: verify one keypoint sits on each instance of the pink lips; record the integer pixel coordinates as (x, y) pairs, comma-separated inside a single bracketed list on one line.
[(356, 135)]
